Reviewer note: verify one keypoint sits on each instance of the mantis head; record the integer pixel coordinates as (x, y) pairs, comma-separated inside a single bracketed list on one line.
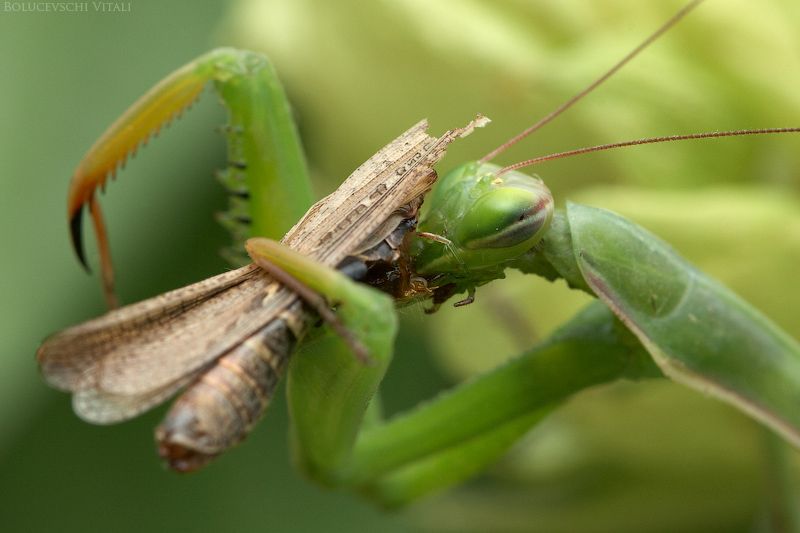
[(485, 218)]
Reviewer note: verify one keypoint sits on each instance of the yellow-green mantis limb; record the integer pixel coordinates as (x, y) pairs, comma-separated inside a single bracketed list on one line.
[(266, 175), (482, 219)]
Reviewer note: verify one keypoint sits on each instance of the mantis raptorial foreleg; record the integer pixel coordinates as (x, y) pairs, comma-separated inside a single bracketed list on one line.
[(423, 450), (266, 175), (329, 390)]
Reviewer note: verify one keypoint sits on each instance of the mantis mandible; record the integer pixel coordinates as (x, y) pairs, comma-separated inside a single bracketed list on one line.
[(478, 221)]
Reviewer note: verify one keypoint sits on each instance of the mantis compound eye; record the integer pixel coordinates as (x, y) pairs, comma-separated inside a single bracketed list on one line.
[(513, 214)]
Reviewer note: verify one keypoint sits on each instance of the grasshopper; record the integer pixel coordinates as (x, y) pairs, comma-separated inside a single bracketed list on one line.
[(479, 220), (121, 364)]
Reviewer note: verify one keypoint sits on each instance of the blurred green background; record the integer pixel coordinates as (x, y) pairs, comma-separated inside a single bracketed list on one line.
[(633, 457)]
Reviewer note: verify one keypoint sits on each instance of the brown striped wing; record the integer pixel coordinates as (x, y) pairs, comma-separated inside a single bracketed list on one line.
[(130, 359)]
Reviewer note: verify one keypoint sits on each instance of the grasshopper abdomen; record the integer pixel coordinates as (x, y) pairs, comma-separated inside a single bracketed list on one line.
[(220, 408)]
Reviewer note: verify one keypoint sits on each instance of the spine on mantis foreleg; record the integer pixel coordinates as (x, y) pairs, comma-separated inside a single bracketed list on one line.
[(266, 173)]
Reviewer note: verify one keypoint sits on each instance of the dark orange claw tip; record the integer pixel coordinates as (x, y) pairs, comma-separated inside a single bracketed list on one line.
[(76, 235), (160, 105)]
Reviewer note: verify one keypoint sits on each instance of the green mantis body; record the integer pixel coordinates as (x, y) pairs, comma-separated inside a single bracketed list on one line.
[(484, 221)]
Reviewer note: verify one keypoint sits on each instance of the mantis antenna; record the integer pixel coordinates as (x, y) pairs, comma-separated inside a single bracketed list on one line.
[(596, 83), (648, 140)]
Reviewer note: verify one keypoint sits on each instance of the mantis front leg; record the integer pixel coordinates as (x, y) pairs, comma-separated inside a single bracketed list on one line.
[(329, 390), (266, 175), (443, 441)]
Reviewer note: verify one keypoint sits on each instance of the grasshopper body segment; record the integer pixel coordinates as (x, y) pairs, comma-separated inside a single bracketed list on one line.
[(222, 405)]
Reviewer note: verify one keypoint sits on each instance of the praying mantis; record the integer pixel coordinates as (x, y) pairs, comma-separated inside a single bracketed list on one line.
[(409, 456)]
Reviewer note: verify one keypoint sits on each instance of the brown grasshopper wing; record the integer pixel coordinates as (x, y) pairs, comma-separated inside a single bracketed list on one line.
[(401, 171), (100, 407), (129, 357)]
